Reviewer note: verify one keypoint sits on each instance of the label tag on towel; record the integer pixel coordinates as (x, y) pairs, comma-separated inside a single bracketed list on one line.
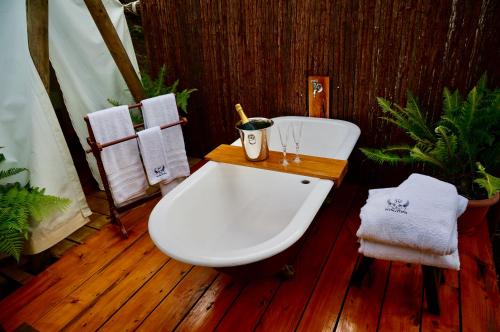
[(397, 205), (160, 171)]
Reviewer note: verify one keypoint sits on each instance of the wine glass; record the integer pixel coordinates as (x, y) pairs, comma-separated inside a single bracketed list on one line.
[(297, 134), (283, 133)]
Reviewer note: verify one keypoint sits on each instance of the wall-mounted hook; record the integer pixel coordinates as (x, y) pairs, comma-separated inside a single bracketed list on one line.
[(317, 87), (319, 96)]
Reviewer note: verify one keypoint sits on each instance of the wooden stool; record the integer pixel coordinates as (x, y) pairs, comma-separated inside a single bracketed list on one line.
[(430, 274)]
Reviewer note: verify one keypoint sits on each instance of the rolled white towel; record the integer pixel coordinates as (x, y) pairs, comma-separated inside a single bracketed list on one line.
[(408, 255), (421, 214)]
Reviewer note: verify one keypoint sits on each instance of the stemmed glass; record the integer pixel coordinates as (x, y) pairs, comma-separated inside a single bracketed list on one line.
[(283, 132), (297, 134)]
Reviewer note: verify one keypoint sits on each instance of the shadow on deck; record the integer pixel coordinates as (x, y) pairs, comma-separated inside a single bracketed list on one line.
[(120, 285)]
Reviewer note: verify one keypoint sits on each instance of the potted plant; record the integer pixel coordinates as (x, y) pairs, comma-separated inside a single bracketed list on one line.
[(20, 207), (460, 148)]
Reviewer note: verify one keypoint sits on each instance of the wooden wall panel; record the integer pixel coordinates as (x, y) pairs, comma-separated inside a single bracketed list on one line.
[(259, 53)]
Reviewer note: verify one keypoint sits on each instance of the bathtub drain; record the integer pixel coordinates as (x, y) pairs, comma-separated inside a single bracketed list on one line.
[(306, 181)]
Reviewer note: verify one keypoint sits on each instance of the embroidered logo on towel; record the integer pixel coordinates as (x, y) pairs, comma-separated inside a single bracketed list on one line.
[(159, 171), (397, 205)]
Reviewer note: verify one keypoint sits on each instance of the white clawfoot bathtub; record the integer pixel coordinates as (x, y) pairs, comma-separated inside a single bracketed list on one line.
[(225, 215)]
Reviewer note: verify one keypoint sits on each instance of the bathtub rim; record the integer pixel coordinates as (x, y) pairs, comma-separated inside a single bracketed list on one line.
[(348, 143)]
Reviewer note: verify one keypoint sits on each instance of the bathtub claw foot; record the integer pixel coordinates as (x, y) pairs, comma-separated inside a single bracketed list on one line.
[(287, 272)]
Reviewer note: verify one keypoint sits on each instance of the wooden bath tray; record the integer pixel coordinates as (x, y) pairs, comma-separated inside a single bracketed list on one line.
[(318, 167)]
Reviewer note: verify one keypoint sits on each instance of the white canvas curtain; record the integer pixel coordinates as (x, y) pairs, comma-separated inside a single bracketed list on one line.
[(30, 132), (29, 129), (86, 72)]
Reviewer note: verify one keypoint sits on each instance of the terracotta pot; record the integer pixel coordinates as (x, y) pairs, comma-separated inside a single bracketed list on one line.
[(475, 213)]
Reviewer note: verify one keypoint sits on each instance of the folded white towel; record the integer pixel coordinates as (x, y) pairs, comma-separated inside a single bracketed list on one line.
[(122, 162), (395, 253), (153, 154), (162, 110), (421, 214)]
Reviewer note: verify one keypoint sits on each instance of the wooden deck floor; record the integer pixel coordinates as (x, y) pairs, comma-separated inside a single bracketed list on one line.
[(112, 284)]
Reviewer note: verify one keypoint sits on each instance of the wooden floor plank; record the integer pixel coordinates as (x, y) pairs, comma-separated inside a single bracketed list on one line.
[(212, 306), (16, 301), (81, 234), (99, 205), (107, 304), (101, 194), (61, 248), (479, 291), (401, 310), (177, 304), (449, 319), (137, 308), (253, 301), (292, 295), (98, 220), (75, 304), (15, 273), (77, 265), (246, 311), (110, 284), (324, 306), (71, 272), (363, 303)]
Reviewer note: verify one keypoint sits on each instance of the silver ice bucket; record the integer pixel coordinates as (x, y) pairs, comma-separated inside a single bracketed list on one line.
[(256, 142)]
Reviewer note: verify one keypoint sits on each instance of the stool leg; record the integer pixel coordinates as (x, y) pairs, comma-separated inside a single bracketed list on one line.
[(430, 287), (441, 277), (361, 270)]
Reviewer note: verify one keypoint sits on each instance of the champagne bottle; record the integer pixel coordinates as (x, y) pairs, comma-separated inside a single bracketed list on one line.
[(245, 123)]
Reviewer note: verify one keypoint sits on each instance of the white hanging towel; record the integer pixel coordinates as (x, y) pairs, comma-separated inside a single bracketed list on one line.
[(421, 214), (408, 255), (162, 110), (122, 162), (153, 154)]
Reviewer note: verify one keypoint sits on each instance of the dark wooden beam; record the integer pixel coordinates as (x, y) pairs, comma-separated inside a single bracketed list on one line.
[(37, 12), (115, 47)]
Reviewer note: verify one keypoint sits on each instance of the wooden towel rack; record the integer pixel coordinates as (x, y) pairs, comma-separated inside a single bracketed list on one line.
[(97, 147)]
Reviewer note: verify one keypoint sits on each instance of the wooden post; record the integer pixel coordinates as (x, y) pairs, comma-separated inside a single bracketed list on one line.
[(37, 12), (115, 47)]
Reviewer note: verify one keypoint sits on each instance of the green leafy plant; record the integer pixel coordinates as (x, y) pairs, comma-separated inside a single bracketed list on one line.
[(457, 145), (487, 181), (20, 208), (156, 87)]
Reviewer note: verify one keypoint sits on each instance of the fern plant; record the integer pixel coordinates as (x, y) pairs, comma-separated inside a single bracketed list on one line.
[(157, 87), (20, 208), (457, 145)]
